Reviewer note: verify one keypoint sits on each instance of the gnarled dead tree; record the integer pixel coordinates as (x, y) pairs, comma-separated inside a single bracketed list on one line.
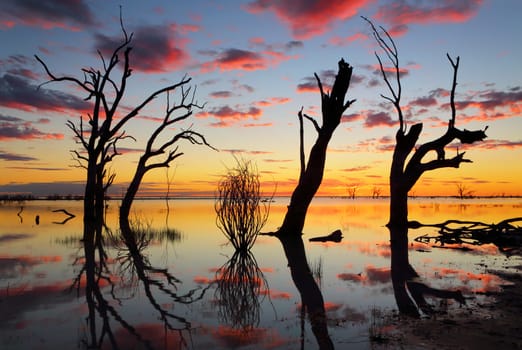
[(408, 158), (102, 132)]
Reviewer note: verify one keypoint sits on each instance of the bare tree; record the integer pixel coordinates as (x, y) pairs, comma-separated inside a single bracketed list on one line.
[(333, 105), (352, 191), (161, 155), (463, 191), (406, 169), (104, 127), (376, 192)]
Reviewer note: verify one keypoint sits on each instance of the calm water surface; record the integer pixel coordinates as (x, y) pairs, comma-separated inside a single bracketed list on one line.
[(169, 297)]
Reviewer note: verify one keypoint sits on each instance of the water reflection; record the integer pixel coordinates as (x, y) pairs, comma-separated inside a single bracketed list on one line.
[(238, 291), (109, 286), (408, 289), (311, 296)]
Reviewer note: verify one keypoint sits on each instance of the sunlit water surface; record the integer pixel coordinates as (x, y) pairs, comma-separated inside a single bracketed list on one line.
[(43, 306)]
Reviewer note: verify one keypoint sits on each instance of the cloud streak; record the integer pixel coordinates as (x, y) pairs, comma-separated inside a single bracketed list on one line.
[(71, 15), (19, 93), (13, 128)]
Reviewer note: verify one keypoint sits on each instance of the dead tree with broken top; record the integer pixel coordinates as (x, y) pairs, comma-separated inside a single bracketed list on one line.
[(409, 159), (310, 178), (333, 105)]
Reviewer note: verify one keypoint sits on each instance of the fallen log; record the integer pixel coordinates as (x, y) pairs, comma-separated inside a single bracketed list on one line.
[(335, 236)]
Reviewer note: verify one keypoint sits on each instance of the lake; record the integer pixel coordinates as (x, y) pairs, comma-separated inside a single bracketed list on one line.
[(168, 293)]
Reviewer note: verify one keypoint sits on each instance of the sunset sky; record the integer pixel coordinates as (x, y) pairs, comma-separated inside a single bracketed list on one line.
[(253, 63)]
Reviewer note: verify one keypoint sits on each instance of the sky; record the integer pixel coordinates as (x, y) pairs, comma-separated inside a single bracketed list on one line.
[(252, 66)]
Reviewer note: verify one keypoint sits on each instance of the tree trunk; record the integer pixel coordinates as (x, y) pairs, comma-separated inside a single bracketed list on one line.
[(89, 201), (128, 199), (333, 106), (306, 188)]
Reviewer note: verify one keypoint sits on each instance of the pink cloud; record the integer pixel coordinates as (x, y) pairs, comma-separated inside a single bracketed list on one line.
[(400, 13), (343, 41), (229, 116), (156, 49), (236, 59), (272, 101), (246, 60), (310, 18), (375, 119), (19, 93)]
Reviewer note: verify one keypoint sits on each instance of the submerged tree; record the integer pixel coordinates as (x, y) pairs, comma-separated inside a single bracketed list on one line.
[(408, 163), (333, 105), (310, 178)]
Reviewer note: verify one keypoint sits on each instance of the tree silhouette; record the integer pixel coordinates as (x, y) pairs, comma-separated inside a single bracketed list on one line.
[(463, 191), (104, 128), (333, 105), (407, 163), (166, 151)]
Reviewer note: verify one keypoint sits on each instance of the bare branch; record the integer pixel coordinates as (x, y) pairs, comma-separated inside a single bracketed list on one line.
[(301, 144), (64, 78), (392, 53), (314, 122), (455, 66)]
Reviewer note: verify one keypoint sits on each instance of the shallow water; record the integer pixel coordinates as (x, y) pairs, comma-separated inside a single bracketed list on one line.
[(46, 298)]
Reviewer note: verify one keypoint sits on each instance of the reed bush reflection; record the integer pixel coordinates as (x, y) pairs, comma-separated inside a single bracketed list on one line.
[(240, 288)]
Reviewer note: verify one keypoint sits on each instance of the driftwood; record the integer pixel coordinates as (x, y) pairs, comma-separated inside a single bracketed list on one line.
[(69, 216), (506, 235), (335, 236)]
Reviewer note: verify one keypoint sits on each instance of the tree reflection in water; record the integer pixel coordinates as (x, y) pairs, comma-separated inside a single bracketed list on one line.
[(311, 296), (409, 291), (105, 290), (240, 282)]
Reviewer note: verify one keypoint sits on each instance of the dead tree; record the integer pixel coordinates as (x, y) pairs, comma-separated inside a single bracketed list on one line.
[(407, 163), (463, 191), (333, 105), (352, 191), (100, 132), (161, 155)]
